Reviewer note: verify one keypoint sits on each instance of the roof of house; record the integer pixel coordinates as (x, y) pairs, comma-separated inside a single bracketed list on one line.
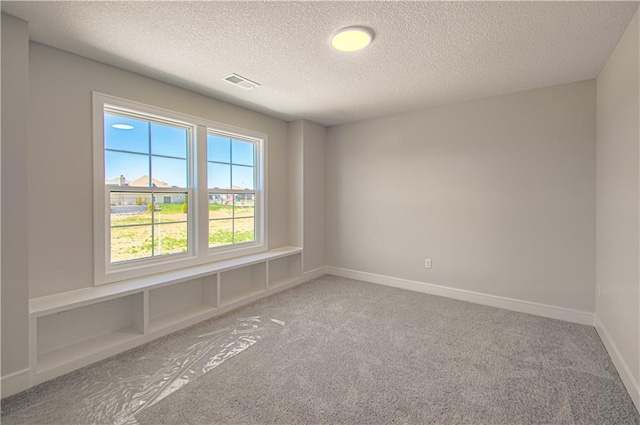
[(142, 181)]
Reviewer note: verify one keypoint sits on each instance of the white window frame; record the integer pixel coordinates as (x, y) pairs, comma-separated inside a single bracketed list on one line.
[(154, 192), (258, 200), (199, 251)]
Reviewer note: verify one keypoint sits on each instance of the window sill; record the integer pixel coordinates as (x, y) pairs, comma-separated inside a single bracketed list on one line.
[(178, 262)]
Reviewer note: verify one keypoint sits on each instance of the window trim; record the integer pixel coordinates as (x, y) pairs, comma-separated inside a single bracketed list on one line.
[(199, 250), (257, 184)]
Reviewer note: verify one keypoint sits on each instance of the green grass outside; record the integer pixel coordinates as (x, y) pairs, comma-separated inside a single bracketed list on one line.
[(135, 242), (225, 237), (174, 212)]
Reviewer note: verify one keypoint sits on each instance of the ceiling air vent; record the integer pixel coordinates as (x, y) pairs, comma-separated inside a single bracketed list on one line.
[(240, 81)]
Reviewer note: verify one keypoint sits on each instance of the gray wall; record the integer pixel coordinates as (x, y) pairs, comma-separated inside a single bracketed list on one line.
[(60, 235), (15, 86), (499, 193), (296, 183), (618, 195), (314, 195), (307, 191)]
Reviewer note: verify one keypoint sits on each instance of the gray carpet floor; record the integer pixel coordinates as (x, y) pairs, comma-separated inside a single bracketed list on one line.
[(339, 351)]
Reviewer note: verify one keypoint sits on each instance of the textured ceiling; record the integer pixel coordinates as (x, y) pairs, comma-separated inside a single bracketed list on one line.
[(424, 54)]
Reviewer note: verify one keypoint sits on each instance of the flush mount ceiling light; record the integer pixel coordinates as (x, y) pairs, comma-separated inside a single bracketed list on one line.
[(352, 39), (122, 126)]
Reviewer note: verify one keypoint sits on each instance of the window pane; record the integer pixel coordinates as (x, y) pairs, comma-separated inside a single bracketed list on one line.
[(170, 207), (169, 141), (244, 205), (243, 230), (242, 152), (218, 176), (130, 208), (168, 172), (242, 177), (218, 148), (170, 238), (130, 243), (220, 232), (220, 205), (126, 169), (134, 139)]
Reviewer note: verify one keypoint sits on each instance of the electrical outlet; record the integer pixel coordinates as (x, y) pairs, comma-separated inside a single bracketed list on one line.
[(427, 263)]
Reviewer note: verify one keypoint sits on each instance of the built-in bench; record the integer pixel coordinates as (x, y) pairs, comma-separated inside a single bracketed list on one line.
[(73, 329)]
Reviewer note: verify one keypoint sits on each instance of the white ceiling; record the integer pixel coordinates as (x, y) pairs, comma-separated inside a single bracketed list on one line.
[(424, 54)]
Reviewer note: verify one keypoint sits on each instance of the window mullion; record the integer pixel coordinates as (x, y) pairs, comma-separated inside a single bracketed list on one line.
[(153, 199), (150, 161), (107, 227), (201, 215), (153, 223), (227, 191), (230, 164), (233, 218)]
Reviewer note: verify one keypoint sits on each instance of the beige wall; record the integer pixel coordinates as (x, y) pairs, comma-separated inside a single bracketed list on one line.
[(15, 86), (618, 195), (59, 154), (499, 193)]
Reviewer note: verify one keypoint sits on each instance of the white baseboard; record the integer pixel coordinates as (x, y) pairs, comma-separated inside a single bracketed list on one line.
[(621, 366), (19, 381), (14, 382), (312, 274), (569, 315)]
